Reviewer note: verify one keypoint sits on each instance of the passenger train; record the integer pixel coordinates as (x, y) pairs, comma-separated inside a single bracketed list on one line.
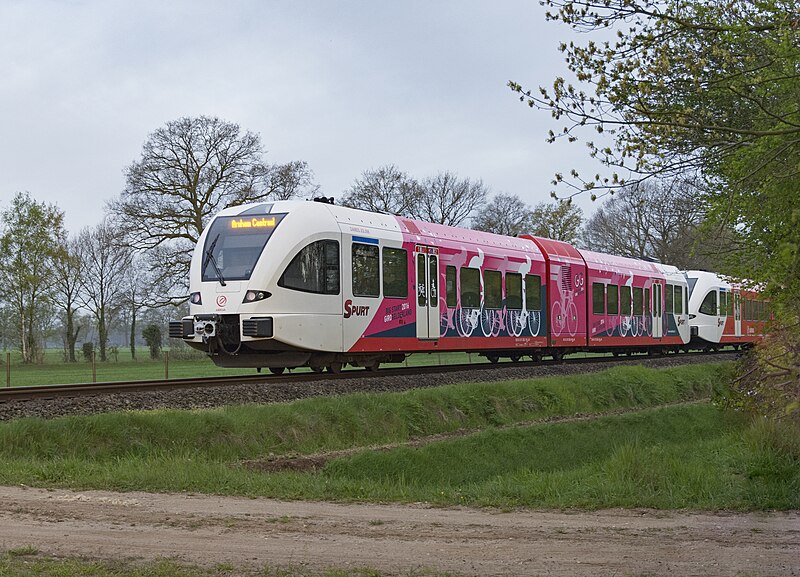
[(300, 283)]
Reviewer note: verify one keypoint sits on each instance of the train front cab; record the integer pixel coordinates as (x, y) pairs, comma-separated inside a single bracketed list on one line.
[(723, 313)]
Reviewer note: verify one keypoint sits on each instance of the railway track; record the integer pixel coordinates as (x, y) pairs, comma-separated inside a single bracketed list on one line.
[(49, 392)]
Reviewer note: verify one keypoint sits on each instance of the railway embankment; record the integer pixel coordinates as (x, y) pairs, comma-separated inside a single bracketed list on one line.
[(611, 457)]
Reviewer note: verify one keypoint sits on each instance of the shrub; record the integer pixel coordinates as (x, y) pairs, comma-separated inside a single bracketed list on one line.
[(152, 336), (88, 351), (769, 376)]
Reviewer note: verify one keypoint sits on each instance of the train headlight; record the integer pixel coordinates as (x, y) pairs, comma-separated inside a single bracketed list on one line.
[(196, 299), (252, 296)]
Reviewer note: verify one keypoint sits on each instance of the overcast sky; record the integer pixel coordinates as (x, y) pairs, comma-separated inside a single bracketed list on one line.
[(344, 85)]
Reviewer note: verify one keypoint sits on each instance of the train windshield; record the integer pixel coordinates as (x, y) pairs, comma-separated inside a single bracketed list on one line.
[(233, 245)]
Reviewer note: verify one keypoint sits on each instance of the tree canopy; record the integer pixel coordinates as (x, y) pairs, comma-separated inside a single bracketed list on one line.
[(31, 235), (505, 214), (190, 169), (559, 220), (689, 87), (385, 189)]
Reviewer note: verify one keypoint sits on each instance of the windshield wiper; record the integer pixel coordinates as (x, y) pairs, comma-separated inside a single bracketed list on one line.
[(210, 259)]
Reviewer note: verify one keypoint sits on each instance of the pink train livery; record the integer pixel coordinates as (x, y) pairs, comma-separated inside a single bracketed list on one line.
[(299, 283)]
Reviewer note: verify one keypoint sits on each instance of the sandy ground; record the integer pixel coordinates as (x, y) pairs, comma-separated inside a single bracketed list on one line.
[(397, 539)]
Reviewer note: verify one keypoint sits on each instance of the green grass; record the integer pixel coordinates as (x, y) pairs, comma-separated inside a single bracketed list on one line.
[(688, 456), (14, 565), (183, 363)]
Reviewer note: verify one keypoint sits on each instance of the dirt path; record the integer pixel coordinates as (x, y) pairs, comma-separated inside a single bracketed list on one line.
[(397, 539)]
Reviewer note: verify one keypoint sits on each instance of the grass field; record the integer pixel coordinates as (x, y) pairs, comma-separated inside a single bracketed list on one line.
[(27, 562), (179, 364), (693, 456)]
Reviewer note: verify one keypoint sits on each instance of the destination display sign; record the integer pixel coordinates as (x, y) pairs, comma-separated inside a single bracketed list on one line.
[(255, 222)]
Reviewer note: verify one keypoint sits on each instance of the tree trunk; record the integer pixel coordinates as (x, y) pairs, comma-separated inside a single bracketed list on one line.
[(72, 336), (133, 333), (102, 334)]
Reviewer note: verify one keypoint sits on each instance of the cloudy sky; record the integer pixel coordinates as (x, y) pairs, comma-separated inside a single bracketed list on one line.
[(345, 85)]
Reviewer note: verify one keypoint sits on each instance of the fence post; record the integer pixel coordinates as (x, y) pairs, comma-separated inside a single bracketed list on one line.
[(94, 368), (166, 365), (8, 369)]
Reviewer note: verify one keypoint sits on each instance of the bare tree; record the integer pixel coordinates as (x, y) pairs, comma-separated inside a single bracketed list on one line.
[(657, 220), (506, 214), (446, 199), (106, 261), (138, 294), (190, 169), (386, 189), (68, 271), (560, 220)]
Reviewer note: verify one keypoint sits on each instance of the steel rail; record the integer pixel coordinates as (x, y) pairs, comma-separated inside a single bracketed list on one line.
[(44, 392)]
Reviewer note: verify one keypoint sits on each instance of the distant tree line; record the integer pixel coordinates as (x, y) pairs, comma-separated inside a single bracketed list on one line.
[(134, 264)]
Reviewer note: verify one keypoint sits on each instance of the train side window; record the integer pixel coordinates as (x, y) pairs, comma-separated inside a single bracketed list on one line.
[(679, 310), (395, 273), (470, 288), (598, 298), (647, 307), (492, 289), (638, 304), (315, 269), (709, 304), (533, 292), (513, 291), (625, 300), (366, 270), (450, 287), (668, 289), (725, 303), (612, 299)]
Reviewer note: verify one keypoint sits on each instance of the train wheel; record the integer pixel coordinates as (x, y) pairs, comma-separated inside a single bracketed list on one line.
[(515, 358), (277, 370), (558, 356), (536, 357), (316, 369), (494, 359), (335, 368), (372, 367)]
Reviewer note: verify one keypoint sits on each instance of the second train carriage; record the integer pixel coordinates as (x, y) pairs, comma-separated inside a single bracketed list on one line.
[(295, 283), (724, 313)]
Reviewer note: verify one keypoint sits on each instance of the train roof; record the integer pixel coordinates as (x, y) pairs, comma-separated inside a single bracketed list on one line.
[(355, 217)]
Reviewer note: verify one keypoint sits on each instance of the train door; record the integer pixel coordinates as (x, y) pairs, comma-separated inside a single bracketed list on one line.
[(657, 310), (737, 312), (426, 266)]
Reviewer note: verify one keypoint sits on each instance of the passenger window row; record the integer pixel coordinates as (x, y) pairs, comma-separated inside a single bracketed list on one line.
[(315, 269), (756, 310), (612, 299), (493, 289)]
